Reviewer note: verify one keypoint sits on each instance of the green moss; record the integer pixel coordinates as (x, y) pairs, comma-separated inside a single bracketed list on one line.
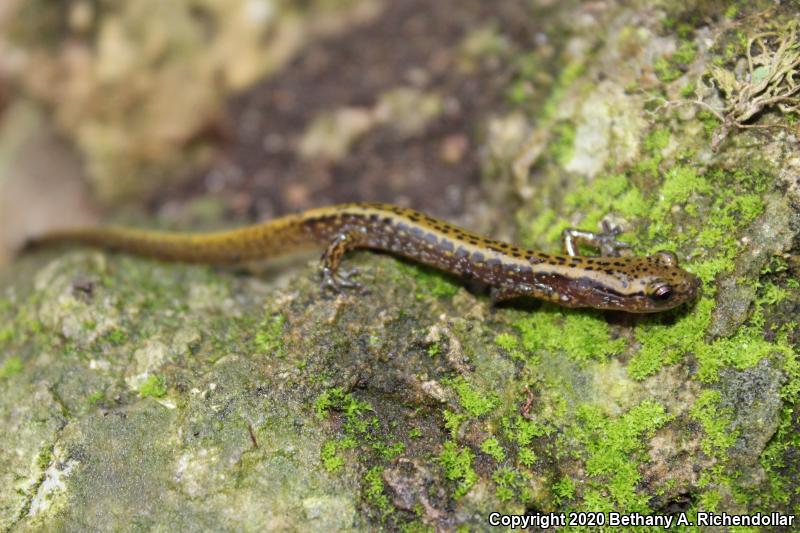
[(457, 464), (742, 350), (434, 349), (387, 452), (269, 340), (95, 398), (526, 457), (11, 367), (685, 53), (563, 490), (153, 387), (45, 457), (614, 450), (332, 461), (665, 70), (6, 335), (117, 337), (665, 343), (566, 79), (510, 484), (716, 423), (589, 337), (374, 493), (709, 120), (522, 430), (563, 145), (336, 399), (430, 282), (510, 343), (493, 449), (473, 401), (453, 421)]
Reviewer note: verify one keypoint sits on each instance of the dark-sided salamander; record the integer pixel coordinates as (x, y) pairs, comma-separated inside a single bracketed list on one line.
[(632, 284)]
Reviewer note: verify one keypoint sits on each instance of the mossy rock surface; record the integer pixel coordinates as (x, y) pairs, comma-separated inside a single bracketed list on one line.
[(144, 395)]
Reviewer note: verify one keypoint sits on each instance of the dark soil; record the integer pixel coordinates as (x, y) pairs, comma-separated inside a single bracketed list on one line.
[(412, 43)]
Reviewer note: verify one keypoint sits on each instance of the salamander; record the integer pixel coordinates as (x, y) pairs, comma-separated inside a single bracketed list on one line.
[(609, 281)]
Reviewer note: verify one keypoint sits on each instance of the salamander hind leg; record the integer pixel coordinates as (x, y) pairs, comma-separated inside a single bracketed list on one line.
[(606, 241), (335, 279)]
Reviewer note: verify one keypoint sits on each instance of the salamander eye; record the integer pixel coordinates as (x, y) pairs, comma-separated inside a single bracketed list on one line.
[(662, 292)]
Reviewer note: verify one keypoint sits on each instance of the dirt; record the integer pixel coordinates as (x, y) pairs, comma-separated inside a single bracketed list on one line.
[(416, 43)]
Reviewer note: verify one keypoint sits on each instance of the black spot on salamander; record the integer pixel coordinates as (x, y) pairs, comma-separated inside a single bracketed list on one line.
[(610, 271), (387, 220), (516, 253), (417, 232), (477, 257), (494, 262), (431, 238), (461, 252), (374, 217)]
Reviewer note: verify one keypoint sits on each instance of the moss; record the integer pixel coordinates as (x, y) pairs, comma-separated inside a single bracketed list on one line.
[(6, 335), (716, 423), (563, 145), (374, 493), (563, 490), (589, 337), (610, 445), (95, 398), (117, 337), (653, 145), (45, 457), (332, 461), (493, 449), (429, 282), (457, 464), (666, 342), (474, 402), (268, 340), (526, 457), (566, 79), (434, 349), (522, 430), (11, 367), (453, 421), (685, 53), (742, 350), (153, 387), (510, 484), (666, 70), (510, 343), (387, 452)]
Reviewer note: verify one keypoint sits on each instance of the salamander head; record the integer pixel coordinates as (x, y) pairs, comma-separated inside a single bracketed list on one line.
[(643, 285)]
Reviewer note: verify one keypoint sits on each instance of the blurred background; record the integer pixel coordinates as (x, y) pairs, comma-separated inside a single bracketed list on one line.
[(197, 114)]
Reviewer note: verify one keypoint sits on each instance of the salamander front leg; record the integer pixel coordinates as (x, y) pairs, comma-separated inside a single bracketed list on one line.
[(606, 241), (333, 278)]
